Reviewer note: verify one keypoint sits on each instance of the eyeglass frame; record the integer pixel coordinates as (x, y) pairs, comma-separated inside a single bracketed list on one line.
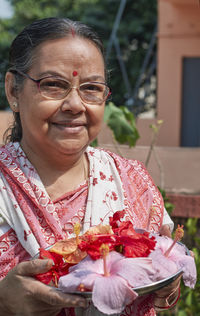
[(37, 81)]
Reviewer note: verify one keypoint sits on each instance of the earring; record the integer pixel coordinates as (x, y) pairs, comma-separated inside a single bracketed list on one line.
[(15, 105)]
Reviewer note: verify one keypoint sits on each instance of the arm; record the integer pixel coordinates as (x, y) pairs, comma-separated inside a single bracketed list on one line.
[(21, 294), (167, 225)]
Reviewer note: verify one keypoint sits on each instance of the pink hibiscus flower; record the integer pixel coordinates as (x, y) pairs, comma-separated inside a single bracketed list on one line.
[(113, 291), (168, 262)]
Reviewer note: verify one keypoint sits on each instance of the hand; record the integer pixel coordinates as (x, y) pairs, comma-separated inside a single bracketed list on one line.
[(22, 295), (165, 231), (168, 295)]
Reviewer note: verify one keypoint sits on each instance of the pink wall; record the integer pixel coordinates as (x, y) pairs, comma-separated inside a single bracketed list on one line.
[(178, 37)]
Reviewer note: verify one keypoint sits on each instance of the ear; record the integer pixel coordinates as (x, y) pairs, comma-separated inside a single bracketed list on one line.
[(11, 92)]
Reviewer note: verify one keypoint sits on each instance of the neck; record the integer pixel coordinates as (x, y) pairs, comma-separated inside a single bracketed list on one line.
[(60, 173), (42, 158)]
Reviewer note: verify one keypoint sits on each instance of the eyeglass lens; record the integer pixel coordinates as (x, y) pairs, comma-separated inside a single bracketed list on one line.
[(91, 92)]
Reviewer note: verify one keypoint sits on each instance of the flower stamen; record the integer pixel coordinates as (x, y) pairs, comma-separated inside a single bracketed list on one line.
[(104, 251), (55, 279), (77, 229), (178, 236)]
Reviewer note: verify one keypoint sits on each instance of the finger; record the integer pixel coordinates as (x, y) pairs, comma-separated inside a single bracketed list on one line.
[(192, 254), (55, 297), (165, 231), (33, 267)]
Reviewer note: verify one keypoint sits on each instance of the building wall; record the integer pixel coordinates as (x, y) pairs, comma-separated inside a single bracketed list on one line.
[(178, 37)]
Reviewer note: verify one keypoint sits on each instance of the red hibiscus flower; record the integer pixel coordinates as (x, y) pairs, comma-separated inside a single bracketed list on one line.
[(136, 246), (130, 243), (92, 244), (116, 219), (59, 268)]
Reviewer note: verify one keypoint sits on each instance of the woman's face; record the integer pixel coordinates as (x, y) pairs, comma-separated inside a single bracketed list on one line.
[(64, 126)]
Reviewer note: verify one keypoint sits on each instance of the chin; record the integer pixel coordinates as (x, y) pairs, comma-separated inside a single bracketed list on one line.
[(72, 148)]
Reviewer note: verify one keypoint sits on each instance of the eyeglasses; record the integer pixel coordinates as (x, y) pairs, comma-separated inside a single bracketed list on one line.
[(55, 88)]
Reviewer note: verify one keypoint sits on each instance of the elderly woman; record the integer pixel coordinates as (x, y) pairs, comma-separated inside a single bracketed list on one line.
[(50, 177)]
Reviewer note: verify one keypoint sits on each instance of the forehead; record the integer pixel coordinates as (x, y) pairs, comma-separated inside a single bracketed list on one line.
[(68, 53)]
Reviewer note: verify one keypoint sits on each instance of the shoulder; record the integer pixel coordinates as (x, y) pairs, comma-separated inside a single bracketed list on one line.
[(10, 149), (127, 168), (98, 151), (131, 171), (121, 161), (5, 147)]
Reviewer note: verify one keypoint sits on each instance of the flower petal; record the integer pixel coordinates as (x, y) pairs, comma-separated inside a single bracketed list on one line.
[(112, 258), (188, 266), (69, 283), (137, 271), (64, 247), (111, 294), (89, 264), (164, 266)]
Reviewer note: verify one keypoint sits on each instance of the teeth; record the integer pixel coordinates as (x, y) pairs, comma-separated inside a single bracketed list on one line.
[(68, 125)]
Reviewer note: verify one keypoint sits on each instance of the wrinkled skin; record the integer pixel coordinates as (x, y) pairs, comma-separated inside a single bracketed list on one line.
[(22, 295)]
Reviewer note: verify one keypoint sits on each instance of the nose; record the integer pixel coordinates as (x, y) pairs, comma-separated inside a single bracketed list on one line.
[(72, 102)]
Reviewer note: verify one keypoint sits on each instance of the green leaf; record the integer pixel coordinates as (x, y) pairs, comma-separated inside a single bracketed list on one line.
[(191, 225), (182, 313), (189, 299), (154, 128), (94, 143), (122, 122), (169, 207)]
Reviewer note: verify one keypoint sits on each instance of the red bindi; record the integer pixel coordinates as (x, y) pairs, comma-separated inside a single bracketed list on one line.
[(75, 73)]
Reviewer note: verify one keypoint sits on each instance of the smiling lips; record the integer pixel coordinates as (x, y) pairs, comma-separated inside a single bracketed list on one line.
[(70, 126)]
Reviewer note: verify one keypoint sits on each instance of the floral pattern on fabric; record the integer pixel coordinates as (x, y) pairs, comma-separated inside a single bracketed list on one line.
[(11, 253), (143, 306)]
